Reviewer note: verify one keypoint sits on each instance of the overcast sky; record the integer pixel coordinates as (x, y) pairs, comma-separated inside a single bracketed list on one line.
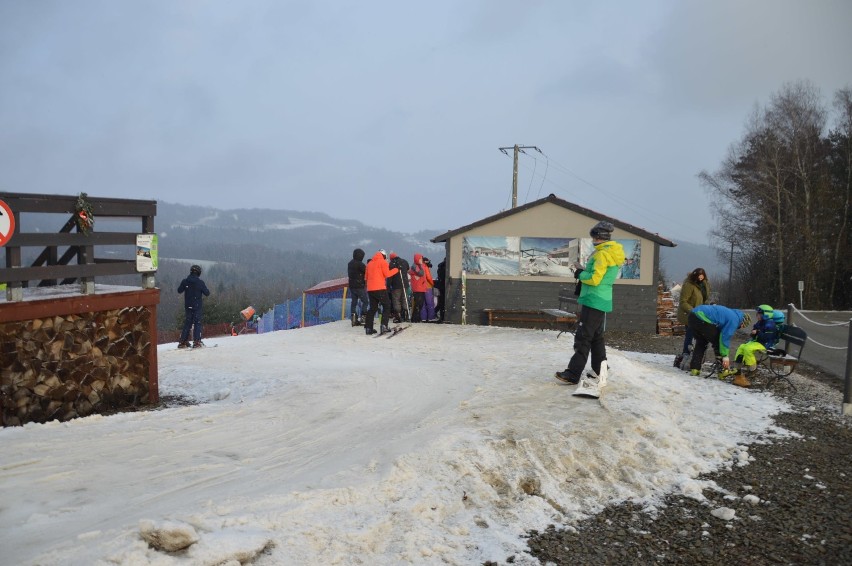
[(392, 113)]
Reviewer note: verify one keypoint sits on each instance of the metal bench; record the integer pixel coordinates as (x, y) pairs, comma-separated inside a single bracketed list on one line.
[(778, 364)]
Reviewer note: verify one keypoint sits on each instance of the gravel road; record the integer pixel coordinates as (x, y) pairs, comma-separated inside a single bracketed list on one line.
[(792, 502)]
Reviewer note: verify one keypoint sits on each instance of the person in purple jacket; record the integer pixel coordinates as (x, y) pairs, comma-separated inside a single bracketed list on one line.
[(714, 325)]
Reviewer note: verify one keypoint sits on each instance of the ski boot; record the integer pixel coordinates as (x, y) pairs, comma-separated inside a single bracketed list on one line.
[(197, 344), (384, 329), (726, 373), (368, 330), (183, 345), (740, 380)]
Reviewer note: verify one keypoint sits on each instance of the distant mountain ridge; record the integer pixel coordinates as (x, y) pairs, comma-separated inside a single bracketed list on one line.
[(184, 228)]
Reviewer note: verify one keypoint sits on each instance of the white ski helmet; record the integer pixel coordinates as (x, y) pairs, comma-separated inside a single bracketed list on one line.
[(384, 253)]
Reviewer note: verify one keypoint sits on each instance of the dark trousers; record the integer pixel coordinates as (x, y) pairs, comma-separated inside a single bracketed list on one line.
[(400, 308), (359, 295), (589, 339), (688, 335), (377, 298), (705, 333), (419, 300), (192, 318)]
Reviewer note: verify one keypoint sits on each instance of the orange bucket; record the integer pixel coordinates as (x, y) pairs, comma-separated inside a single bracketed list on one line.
[(247, 313)]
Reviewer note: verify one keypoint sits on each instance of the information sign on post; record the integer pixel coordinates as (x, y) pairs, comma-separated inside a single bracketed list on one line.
[(801, 288), (146, 253)]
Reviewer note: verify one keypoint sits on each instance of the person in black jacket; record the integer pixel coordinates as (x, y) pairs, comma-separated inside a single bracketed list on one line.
[(358, 286), (193, 288), (398, 285), (440, 286)]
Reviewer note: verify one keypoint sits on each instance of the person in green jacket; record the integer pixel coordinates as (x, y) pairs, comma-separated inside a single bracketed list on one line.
[(595, 301)]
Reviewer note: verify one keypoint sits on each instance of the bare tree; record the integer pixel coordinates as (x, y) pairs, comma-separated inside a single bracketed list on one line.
[(782, 193)]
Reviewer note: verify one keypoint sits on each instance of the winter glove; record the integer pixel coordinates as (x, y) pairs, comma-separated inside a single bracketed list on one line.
[(577, 273)]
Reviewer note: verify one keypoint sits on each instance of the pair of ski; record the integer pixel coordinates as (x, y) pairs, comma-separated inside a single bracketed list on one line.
[(591, 384), (393, 331)]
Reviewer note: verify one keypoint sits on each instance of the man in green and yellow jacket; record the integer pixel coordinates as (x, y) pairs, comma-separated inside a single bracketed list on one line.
[(595, 300)]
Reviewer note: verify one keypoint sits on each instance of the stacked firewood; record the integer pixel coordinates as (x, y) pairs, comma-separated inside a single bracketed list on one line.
[(62, 367), (667, 324)]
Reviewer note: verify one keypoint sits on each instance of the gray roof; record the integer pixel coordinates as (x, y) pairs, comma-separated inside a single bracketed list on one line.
[(564, 204)]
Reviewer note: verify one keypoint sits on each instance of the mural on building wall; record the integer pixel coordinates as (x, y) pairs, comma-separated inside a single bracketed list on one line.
[(550, 257), (529, 256), (491, 255)]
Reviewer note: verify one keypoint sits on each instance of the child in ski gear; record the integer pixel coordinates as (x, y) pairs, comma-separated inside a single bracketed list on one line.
[(714, 325), (193, 288), (398, 285), (357, 286), (377, 274), (595, 301), (421, 279), (764, 336), (694, 291)]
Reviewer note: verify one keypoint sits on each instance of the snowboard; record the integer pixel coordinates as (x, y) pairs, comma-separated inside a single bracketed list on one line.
[(591, 384)]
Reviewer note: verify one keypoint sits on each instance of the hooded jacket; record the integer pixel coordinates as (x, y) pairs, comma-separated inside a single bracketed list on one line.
[(421, 276), (599, 274), (357, 269), (378, 272)]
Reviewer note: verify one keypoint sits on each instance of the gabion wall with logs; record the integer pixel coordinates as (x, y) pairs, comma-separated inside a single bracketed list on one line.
[(63, 367)]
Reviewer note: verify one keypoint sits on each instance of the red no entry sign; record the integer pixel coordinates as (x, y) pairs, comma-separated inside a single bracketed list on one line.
[(7, 223)]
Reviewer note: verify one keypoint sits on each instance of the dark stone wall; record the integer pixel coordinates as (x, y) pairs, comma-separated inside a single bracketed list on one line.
[(635, 306)]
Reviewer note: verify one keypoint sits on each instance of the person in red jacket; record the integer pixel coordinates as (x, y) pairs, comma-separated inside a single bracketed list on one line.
[(421, 279), (377, 275)]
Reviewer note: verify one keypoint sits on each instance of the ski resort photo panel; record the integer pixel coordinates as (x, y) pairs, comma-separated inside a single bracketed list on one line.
[(534, 256)]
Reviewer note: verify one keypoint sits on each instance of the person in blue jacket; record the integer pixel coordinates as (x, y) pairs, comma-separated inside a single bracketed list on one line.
[(714, 325), (193, 288)]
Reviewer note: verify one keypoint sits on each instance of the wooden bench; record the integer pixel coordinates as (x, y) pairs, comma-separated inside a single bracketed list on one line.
[(554, 319)]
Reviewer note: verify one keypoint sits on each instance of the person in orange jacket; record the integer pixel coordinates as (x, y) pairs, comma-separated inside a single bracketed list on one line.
[(377, 275), (421, 279)]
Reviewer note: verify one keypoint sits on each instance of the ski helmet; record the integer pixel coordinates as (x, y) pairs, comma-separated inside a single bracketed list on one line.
[(195, 270), (384, 253), (602, 230), (765, 310)]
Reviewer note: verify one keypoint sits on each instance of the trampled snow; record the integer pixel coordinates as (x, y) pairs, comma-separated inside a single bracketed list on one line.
[(445, 444)]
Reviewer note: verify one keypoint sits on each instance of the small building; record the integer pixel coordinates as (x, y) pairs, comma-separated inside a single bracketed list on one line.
[(521, 260)]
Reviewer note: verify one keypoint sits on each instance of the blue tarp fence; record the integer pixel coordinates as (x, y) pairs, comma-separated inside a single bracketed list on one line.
[(312, 309)]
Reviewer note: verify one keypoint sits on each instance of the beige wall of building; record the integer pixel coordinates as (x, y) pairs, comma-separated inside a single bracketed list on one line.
[(548, 220)]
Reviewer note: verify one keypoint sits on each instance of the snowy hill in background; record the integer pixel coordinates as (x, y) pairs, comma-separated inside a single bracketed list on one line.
[(677, 262), (186, 227)]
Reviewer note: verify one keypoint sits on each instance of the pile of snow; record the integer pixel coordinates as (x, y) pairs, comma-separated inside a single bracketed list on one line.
[(323, 446)]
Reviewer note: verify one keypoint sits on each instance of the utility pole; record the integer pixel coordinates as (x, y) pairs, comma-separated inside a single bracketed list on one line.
[(517, 149)]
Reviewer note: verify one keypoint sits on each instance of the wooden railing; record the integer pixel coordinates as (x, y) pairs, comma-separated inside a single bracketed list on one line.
[(51, 268)]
